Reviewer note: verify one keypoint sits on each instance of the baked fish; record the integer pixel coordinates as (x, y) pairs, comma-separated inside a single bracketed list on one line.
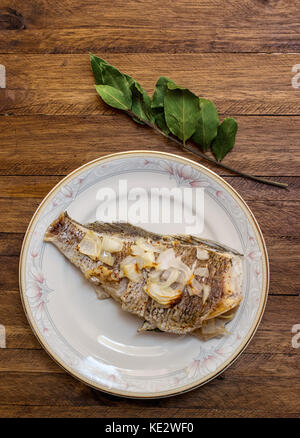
[(177, 284)]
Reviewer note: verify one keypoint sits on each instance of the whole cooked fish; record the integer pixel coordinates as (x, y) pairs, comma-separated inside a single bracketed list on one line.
[(177, 284)]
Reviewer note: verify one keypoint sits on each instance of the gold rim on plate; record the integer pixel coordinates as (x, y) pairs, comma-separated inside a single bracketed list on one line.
[(260, 241)]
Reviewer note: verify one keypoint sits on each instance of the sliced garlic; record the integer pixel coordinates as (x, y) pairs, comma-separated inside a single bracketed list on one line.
[(202, 272), (165, 296), (202, 254), (112, 244), (90, 245), (107, 258)]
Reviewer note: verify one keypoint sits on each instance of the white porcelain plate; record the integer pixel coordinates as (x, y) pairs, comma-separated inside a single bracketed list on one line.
[(94, 339)]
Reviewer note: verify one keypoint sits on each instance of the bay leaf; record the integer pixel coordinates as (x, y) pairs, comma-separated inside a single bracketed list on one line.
[(106, 74), (96, 65), (159, 92), (225, 139), (141, 103), (157, 103), (182, 111), (160, 121), (113, 97), (207, 127)]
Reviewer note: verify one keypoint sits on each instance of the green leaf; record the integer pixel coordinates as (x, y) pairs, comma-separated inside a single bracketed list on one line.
[(207, 127), (159, 92), (106, 74), (141, 103), (97, 65), (160, 121), (113, 97), (157, 103), (182, 111), (129, 80), (135, 119), (225, 139)]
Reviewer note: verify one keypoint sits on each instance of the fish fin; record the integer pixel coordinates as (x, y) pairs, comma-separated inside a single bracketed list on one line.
[(122, 228), (148, 327), (55, 226)]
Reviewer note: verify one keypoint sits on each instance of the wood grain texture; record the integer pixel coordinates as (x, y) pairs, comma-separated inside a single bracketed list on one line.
[(240, 55), (56, 145), (12, 411), (172, 26), (246, 84), (232, 393), (273, 336)]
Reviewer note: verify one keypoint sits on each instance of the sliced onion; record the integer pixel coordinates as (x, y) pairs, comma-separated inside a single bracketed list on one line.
[(129, 259), (163, 295), (172, 277), (145, 259), (112, 244), (202, 254), (195, 288), (107, 258), (90, 245), (196, 285), (206, 292), (146, 246), (202, 272), (131, 272), (166, 259)]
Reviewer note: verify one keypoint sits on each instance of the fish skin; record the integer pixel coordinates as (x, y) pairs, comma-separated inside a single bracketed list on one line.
[(185, 316)]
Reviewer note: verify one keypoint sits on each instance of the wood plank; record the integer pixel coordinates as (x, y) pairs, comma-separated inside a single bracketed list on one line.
[(236, 393), (80, 26), (11, 411), (248, 364), (252, 190), (38, 186), (273, 335), (10, 243), (54, 145), (51, 121), (21, 337), (233, 81), (285, 212), (275, 216)]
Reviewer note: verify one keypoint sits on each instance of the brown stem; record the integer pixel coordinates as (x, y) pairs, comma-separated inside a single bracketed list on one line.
[(200, 154)]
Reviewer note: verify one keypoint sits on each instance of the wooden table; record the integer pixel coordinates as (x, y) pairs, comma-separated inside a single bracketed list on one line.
[(240, 54)]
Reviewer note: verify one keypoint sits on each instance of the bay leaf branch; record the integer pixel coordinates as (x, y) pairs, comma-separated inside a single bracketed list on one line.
[(200, 154)]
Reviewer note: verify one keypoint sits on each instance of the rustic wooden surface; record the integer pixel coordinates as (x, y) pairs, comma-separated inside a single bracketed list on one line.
[(239, 53)]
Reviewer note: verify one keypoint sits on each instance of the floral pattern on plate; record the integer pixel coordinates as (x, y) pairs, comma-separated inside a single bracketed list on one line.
[(213, 355)]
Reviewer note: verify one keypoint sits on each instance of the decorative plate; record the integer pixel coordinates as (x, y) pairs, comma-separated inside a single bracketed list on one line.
[(94, 339)]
